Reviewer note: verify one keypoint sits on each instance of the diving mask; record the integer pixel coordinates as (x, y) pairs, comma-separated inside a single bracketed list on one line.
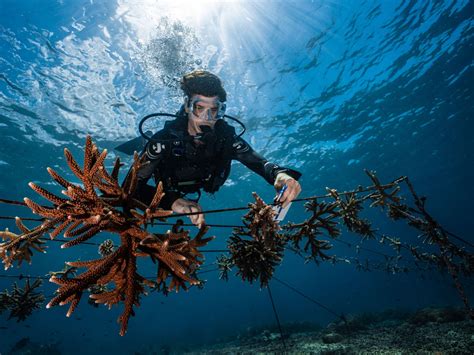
[(206, 109)]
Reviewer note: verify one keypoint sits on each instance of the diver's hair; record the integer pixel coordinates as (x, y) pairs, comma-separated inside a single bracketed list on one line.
[(202, 82)]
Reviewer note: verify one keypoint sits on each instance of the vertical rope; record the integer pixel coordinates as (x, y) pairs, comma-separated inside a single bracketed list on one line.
[(277, 318)]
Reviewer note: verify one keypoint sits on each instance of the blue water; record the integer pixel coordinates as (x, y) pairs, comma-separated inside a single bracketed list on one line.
[(326, 87)]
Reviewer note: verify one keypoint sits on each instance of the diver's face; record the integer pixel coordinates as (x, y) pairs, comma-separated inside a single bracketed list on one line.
[(202, 111)]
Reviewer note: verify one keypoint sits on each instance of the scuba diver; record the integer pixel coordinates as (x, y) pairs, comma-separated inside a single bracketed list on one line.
[(195, 150)]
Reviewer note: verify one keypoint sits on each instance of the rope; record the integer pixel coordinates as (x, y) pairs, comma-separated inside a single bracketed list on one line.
[(458, 238), (363, 248), (246, 207), (309, 298), (12, 202), (328, 195), (153, 224), (371, 188), (96, 244), (276, 316), (21, 276), (23, 218), (226, 250)]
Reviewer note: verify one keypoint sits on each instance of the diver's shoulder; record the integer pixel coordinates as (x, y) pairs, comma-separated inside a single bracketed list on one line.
[(240, 145)]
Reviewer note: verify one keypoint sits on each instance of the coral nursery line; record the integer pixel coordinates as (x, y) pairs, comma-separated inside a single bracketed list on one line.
[(100, 203)]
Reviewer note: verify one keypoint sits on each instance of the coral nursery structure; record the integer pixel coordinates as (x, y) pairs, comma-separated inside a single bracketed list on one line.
[(101, 204), (309, 238)]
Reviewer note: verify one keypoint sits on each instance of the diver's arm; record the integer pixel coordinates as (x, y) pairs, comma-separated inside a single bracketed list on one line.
[(276, 175), (257, 163)]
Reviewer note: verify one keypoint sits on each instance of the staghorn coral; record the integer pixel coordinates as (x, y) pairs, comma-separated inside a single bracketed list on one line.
[(19, 247), (322, 218), (4, 301), (21, 302), (102, 204), (349, 209), (64, 273), (380, 197), (177, 256), (225, 264), (451, 257), (256, 258)]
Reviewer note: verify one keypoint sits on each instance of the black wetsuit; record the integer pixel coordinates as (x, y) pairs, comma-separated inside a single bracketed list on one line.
[(186, 165)]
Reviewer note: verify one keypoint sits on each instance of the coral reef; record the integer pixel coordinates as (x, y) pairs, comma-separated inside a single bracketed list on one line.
[(21, 302), (388, 332), (437, 315), (26, 346), (354, 323)]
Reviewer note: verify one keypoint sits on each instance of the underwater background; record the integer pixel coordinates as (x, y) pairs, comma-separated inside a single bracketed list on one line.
[(329, 88)]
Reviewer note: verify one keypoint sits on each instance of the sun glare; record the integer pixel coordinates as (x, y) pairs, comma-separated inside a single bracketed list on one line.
[(197, 11), (145, 14), (214, 33)]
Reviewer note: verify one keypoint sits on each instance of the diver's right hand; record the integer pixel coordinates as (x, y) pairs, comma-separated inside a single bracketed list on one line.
[(182, 205)]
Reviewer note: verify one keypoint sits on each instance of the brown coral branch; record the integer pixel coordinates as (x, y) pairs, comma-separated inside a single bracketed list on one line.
[(73, 164), (84, 214), (61, 181), (47, 195), (92, 231)]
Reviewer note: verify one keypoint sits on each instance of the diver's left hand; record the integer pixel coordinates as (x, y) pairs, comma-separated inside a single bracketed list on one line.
[(181, 205), (292, 191)]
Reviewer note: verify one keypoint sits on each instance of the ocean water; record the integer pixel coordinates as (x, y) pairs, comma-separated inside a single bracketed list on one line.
[(329, 88)]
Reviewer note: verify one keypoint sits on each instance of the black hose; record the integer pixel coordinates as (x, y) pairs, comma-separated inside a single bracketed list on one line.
[(164, 114)]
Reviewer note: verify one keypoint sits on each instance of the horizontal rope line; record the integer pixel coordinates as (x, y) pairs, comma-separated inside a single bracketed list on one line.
[(23, 218), (12, 202), (370, 188), (153, 224), (21, 276), (96, 244)]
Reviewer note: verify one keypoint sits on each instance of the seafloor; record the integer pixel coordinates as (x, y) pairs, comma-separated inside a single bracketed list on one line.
[(428, 331)]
